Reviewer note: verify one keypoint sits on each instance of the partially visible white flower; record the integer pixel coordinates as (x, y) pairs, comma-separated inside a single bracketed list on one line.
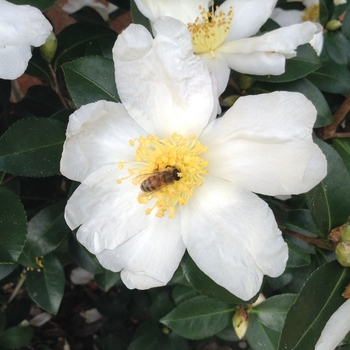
[(263, 144), (339, 2), (91, 315), (75, 5), (311, 13), (221, 38), (335, 330), (80, 276), (21, 26)]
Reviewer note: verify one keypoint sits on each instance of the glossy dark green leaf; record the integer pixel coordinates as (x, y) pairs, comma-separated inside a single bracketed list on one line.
[(45, 285), (32, 147), (272, 312), (40, 4), (300, 220), (297, 256), (205, 285), (38, 67), (199, 317), (110, 342), (261, 337), (346, 25), (324, 115), (160, 306), (325, 9), (297, 67), (74, 40), (337, 47), (317, 301), (107, 279), (89, 15), (138, 17), (342, 146), (181, 293), (6, 269), (329, 201), (13, 226), (16, 337), (83, 258), (333, 78), (46, 231), (90, 79)]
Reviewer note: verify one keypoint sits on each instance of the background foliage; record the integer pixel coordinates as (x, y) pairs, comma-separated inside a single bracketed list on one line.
[(38, 251)]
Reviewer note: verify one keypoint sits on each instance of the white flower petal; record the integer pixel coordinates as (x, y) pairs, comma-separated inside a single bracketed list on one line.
[(162, 84), (248, 16), (317, 42), (184, 10), (150, 258), (283, 40), (219, 68), (75, 5), (308, 3), (98, 134), (20, 27), (232, 236), (108, 213), (336, 328), (287, 17), (264, 144), (91, 315)]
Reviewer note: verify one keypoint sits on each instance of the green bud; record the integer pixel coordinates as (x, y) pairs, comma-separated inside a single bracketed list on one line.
[(240, 322), (333, 24), (345, 233), (342, 251), (230, 100), (48, 50), (244, 81)]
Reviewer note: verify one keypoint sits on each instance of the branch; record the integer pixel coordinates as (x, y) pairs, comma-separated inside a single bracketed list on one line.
[(311, 240)]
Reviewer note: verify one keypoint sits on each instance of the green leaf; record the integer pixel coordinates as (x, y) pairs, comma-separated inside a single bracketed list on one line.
[(331, 77), (297, 257), (300, 220), (90, 79), (297, 67), (205, 285), (329, 201), (38, 67), (83, 258), (324, 11), (13, 226), (46, 285), (346, 25), (337, 47), (272, 312), (5, 270), (199, 317), (32, 147), (181, 293), (261, 337), (110, 342), (74, 40), (107, 279), (319, 298), (324, 115), (16, 337), (46, 231), (138, 17), (342, 146), (40, 4)]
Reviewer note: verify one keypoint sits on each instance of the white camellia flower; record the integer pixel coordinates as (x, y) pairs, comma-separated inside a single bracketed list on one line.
[(290, 17), (162, 134), (21, 26), (335, 330), (221, 38), (75, 5)]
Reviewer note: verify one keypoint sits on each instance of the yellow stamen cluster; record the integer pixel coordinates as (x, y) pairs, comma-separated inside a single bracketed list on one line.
[(312, 13), (154, 155), (209, 31)]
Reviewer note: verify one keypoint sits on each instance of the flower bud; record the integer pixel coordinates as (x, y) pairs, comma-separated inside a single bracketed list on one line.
[(48, 49), (342, 251), (240, 322), (346, 293), (230, 100), (333, 24), (244, 81), (345, 232)]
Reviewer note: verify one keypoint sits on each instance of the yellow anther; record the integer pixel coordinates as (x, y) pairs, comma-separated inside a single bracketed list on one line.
[(312, 13), (120, 165)]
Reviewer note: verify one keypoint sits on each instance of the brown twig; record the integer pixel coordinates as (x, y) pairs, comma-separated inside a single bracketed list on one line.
[(311, 240), (57, 88), (330, 131)]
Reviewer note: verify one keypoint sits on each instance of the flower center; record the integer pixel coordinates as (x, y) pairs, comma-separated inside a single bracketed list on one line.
[(167, 169), (210, 30), (312, 13)]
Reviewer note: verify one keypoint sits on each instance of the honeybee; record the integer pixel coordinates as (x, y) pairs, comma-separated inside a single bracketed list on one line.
[(157, 180)]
